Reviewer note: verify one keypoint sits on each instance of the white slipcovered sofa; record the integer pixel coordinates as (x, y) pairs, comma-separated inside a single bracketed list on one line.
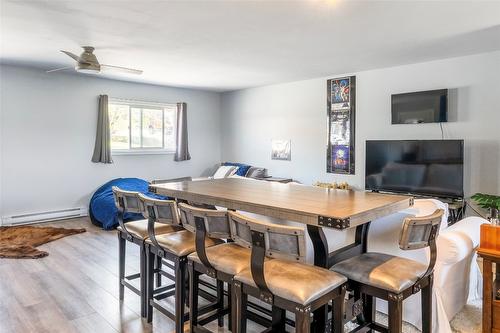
[(457, 278)]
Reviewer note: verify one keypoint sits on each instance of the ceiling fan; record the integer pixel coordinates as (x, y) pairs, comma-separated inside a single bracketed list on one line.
[(87, 63)]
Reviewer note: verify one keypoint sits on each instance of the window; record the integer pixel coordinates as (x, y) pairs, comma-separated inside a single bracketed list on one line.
[(141, 127)]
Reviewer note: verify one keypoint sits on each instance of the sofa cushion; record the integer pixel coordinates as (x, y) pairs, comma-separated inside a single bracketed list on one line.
[(225, 171), (256, 172), (425, 207), (242, 168)]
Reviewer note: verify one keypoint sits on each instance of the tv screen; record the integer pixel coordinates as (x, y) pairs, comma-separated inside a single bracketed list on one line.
[(421, 167), (420, 107)]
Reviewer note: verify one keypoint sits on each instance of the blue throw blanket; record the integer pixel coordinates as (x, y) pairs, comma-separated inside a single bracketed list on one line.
[(102, 207)]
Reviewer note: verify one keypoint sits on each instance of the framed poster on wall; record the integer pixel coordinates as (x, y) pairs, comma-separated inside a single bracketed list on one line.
[(341, 100)]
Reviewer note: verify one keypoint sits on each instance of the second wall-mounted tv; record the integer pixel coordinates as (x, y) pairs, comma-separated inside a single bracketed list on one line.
[(422, 167), (420, 107)]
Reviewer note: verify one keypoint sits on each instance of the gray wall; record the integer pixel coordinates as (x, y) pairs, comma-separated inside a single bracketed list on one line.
[(47, 133), (297, 111)]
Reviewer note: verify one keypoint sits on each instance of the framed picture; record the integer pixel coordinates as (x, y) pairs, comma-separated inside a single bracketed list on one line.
[(341, 93), (281, 150), (340, 158), (340, 128)]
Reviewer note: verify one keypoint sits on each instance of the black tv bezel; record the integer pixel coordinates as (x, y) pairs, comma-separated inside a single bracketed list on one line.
[(422, 92), (420, 194)]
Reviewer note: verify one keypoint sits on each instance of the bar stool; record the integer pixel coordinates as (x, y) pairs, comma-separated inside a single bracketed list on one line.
[(285, 282), (393, 278), (220, 262), (135, 232), (173, 247)]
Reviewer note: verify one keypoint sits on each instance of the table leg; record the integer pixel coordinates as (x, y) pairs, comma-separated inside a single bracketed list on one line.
[(320, 245), (487, 294), (359, 246), (323, 258)]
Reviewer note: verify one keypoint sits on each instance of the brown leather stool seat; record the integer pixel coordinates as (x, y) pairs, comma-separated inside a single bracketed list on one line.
[(297, 282), (181, 243), (229, 258), (382, 271), (139, 228)]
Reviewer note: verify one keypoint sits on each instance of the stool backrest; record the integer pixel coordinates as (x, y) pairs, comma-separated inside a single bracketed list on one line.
[(420, 232), (279, 241), (158, 210), (126, 201), (215, 221)]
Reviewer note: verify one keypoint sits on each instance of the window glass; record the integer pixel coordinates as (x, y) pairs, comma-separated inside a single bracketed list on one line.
[(137, 127), (119, 123), (152, 128)]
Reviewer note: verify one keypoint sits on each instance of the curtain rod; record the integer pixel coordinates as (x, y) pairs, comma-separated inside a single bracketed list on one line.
[(123, 100)]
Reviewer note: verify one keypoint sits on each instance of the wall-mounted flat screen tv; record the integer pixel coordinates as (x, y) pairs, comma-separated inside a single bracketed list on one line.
[(420, 167), (420, 107)]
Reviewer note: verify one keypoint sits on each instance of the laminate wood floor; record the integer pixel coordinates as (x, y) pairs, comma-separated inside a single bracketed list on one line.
[(75, 288)]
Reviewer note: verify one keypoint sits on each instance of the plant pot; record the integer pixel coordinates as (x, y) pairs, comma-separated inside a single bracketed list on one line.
[(494, 216)]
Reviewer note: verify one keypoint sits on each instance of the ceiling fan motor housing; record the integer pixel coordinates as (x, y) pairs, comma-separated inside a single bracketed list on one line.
[(88, 61)]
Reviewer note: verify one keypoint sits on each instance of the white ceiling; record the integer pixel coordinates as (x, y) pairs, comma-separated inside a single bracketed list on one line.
[(229, 45)]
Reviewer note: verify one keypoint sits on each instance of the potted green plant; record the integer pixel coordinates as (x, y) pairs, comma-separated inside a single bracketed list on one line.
[(488, 201)]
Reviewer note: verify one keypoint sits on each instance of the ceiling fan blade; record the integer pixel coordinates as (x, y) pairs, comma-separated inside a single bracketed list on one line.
[(123, 69), (74, 56), (58, 69)]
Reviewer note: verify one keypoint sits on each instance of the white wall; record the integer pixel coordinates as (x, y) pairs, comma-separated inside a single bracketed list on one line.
[(297, 111), (47, 133)]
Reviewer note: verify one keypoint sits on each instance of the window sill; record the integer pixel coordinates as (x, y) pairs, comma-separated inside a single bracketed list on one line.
[(142, 152)]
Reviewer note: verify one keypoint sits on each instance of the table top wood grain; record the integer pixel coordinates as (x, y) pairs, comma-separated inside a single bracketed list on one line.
[(305, 204)]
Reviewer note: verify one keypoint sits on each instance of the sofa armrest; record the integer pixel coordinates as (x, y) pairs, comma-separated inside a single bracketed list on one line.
[(453, 247), (458, 241), (470, 226)]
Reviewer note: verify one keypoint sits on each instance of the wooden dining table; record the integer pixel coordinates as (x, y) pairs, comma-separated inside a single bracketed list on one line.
[(315, 207)]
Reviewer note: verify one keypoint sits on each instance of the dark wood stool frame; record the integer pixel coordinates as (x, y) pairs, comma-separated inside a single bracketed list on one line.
[(423, 285), (197, 269), (179, 289), (303, 312), (123, 236), (161, 292)]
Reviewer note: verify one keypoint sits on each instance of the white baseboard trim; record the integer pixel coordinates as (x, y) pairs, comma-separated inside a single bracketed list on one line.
[(38, 217)]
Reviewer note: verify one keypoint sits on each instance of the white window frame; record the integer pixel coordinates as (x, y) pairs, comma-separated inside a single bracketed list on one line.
[(140, 105)]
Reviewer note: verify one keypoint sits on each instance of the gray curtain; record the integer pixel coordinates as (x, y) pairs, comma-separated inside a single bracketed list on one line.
[(102, 149), (182, 151)]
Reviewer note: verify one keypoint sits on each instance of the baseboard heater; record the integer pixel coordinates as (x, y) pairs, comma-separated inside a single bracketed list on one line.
[(44, 216)]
